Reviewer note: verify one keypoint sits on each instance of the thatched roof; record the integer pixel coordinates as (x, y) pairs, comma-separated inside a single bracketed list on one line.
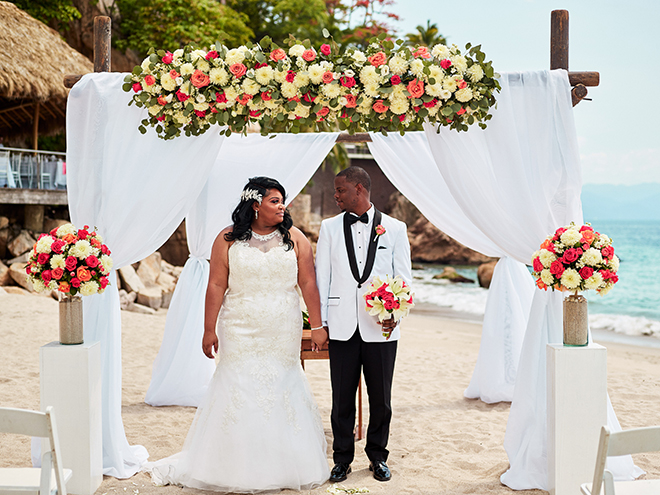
[(33, 62)]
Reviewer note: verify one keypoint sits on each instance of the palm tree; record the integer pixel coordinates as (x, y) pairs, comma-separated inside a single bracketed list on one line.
[(428, 36)]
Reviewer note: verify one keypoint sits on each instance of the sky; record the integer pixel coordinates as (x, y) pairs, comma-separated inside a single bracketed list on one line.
[(619, 130)]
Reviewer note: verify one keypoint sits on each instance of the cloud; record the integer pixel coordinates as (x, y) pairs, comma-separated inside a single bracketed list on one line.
[(632, 167)]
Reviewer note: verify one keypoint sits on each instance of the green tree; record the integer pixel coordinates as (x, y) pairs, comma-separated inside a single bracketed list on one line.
[(427, 36), (171, 24), (61, 11)]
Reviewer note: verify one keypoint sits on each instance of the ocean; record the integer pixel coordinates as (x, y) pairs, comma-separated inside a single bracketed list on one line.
[(632, 307)]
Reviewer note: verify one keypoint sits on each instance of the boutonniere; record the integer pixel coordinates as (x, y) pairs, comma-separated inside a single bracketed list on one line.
[(380, 230)]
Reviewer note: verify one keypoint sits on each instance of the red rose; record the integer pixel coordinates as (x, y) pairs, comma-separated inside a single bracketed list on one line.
[(162, 101), (167, 58), (220, 98), (309, 55), (537, 265), (82, 233), (402, 118), (266, 96), (607, 252), (323, 112), (415, 88), (462, 84), (137, 87), (433, 102), (277, 55), (328, 77), (586, 272), (71, 262), (351, 101), (43, 258), (161, 118), (379, 107), (570, 255), (557, 268), (46, 276), (103, 282), (238, 70), (75, 282), (200, 114), (255, 113), (347, 82), (290, 76), (586, 227), (211, 54), (395, 79), (378, 59), (57, 273), (460, 112), (445, 64), (149, 79), (325, 49), (199, 79), (181, 96)]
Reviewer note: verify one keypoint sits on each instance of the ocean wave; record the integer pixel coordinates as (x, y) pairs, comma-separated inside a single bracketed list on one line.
[(464, 298), (625, 324)]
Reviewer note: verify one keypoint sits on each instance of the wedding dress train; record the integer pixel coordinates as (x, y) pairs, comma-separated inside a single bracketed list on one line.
[(258, 427)]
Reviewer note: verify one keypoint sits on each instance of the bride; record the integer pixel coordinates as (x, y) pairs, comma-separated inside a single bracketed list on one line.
[(258, 427)]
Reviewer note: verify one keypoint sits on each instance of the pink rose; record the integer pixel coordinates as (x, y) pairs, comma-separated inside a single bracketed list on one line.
[(46, 276), (537, 265), (328, 77), (277, 55), (323, 112), (351, 101), (607, 252), (71, 262), (325, 49), (137, 87), (557, 268), (149, 79), (422, 52), (378, 59), (174, 74), (238, 70), (167, 58), (445, 63), (415, 88), (395, 79), (380, 230), (212, 54), (199, 79), (244, 99), (103, 282), (43, 258), (57, 273), (379, 107), (309, 55), (347, 82), (290, 76), (570, 255), (586, 272), (161, 100), (462, 84)]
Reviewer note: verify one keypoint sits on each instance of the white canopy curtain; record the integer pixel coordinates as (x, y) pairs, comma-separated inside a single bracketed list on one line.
[(408, 163), (181, 371), (136, 189)]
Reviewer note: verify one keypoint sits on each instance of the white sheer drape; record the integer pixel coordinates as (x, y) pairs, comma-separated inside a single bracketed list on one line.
[(408, 163), (136, 189), (181, 372)]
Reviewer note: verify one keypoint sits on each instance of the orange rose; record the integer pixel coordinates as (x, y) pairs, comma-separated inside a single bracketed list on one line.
[(64, 287), (351, 101), (547, 244), (83, 274), (415, 88), (328, 77), (277, 55), (379, 107), (379, 59), (199, 79), (70, 238), (588, 236), (238, 70)]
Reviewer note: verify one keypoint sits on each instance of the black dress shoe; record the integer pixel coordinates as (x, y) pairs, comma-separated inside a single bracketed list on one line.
[(381, 471), (340, 472)]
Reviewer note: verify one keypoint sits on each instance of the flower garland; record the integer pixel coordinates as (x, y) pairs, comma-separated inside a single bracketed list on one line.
[(388, 87), (71, 261), (576, 259)]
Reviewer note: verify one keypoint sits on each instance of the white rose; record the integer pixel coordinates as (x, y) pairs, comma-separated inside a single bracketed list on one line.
[(464, 95), (296, 50), (200, 98), (179, 81), (167, 82), (178, 53), (327, 66), (145, 64), (201, 107), (359, 57), (197, 54), (234, 56)]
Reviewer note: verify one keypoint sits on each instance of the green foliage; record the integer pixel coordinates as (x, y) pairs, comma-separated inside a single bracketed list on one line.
[(171, 24), (46, 11), (427, 36)]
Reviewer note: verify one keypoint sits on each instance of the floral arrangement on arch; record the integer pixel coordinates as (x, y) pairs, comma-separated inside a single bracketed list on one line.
[(576, 259), (71, 261), (387, 87)]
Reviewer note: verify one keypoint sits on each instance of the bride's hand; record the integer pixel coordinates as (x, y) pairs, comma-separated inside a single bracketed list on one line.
[(210, 344), (319, 337)]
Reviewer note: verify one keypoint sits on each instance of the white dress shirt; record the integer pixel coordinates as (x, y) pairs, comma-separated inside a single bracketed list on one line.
[(361, 234)]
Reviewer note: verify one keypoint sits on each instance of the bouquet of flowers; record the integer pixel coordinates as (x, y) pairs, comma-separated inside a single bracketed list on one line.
[(387, 87), (73, 262), (388, 298), (575, 259)]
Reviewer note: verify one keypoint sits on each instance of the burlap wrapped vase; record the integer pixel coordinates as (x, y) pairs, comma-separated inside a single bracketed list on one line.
[(575, 321), (71, 320)]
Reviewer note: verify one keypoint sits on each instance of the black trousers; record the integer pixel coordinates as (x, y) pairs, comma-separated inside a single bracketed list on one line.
[(376, 360)]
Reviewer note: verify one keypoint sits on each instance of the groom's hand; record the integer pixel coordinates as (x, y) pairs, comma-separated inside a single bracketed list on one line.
[(388, 326), (319, 338)]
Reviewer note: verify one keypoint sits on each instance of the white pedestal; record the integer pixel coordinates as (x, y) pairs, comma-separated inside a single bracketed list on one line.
[(71, 383), (577, 408)]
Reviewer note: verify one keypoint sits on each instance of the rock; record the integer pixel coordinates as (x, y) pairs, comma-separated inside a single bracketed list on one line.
[(175, 271), (485, 273), (450, 274), (127, 299), (151, 296), (12, 289), (5, 276), (53, 223), (23, 258), (175, 250), (129, 279), (400, 208), (4, 240), (430, 245), (17, 272), (22, 243), (4, 222), (300, 209), (139, 308), (167, 298), (149, 269), (166, 281), (3, 292)]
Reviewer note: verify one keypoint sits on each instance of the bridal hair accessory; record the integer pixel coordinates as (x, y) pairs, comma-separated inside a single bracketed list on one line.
[(248, 194)]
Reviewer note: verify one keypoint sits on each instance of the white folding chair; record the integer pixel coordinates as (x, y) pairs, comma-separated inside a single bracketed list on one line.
[(633, 441), (51, 478)]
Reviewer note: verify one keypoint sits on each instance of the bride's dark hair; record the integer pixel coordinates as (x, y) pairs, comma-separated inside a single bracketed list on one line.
[(243, 214)]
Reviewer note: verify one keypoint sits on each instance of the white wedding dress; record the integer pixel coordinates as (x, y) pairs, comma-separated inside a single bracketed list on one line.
[(258, 427)]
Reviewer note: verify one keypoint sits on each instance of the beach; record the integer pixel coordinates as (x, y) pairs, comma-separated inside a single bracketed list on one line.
[(440, 442)]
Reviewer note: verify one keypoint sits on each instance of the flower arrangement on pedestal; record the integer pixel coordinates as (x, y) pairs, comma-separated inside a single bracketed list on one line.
[(70, 261), (387, 87), (389, 298), (576, 259)]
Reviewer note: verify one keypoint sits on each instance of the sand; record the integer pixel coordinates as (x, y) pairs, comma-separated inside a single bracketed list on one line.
[(440, 443)]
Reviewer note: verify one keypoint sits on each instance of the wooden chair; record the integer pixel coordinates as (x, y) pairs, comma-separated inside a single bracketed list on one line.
[(633, 441), (50, 479)]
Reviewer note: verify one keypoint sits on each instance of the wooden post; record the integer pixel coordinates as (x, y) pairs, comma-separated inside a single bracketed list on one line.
[(559, 39), (102, 39), (35, 125)]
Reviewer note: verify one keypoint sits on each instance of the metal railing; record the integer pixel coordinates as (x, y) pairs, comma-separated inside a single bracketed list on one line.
[(30, 169)]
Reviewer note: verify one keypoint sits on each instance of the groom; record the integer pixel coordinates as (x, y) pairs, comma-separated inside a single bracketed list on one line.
[(349, 254)]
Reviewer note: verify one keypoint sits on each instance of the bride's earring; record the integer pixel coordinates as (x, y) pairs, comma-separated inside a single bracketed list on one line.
[(256, 214)]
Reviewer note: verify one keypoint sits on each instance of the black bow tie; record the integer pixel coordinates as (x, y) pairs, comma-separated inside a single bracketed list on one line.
[(364, 218)]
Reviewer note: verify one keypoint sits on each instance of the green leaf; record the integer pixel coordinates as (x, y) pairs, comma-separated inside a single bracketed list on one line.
[(137, 70), (142, 129), (386, 90), (447, 111), (126, 87), (431, 81), (128, 78), (249, 45), (153, 58), (265, 42)]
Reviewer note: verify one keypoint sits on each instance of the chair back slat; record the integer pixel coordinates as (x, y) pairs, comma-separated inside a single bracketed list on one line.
[(21, 422), (634, 441)]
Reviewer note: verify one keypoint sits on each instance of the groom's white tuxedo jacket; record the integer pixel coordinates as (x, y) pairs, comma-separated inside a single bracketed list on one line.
[(342, 301)]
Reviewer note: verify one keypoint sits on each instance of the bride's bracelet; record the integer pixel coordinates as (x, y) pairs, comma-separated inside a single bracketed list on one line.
[(317, 328)]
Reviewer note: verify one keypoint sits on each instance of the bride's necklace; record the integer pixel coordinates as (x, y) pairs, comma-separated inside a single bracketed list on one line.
[(266, 237)]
